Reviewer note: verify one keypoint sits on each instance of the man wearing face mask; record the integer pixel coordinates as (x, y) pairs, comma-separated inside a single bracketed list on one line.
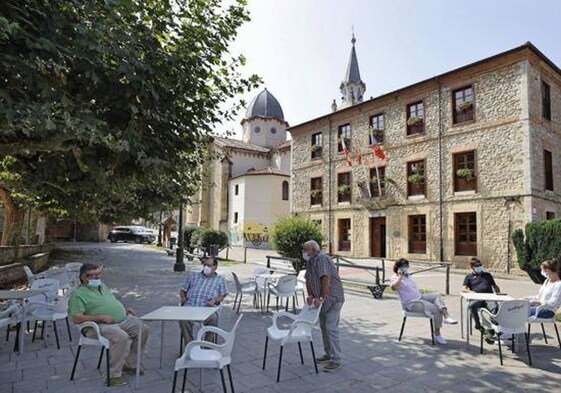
[(202, 289), (324, 287), (480, 281), (92, 301)]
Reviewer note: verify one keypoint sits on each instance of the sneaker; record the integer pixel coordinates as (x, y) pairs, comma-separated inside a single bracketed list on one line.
[(323, 359), (118, 381), (441, 340), (132, 370), (450, 321), (331, 366)]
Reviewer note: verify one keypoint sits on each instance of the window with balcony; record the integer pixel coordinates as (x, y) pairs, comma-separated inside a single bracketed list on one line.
[(344, 187), (416, 184), (344, 137), (418, 234), (344, 225), (465, 236), (375, 178), (463, 104), (377, 128), (415, 118), (317, 145), (316, 191), (464, 171)]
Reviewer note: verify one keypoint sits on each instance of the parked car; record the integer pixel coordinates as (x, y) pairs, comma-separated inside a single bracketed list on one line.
[(133, 233)]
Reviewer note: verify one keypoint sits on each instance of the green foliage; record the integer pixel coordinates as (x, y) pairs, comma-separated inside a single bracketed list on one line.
[(202, 238), (289, 235), (187, 235), (541, 240), (106, 107)]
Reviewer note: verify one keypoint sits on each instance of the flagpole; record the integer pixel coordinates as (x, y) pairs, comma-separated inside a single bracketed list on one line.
[(378, 180)]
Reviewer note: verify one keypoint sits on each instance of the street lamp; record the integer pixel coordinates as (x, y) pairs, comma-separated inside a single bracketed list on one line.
[(179, 264), (160, 230)]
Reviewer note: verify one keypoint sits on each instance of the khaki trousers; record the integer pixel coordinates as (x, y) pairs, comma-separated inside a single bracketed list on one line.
[(188, 327), (124, 341)]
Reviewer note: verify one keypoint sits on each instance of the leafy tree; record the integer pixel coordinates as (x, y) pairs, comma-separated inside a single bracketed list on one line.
[(289, 235), (106, 106), (539, 241)]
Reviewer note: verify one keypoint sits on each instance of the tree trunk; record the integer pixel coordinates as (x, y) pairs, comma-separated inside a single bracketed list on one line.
[(13, 220)]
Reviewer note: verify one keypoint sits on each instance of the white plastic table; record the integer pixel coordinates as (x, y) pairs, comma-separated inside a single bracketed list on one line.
[(171, 313), (468, 297), (267, 277), (21, 295)]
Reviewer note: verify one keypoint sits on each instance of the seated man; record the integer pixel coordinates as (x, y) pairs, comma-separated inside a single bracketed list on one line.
[(93, 301), (481, 282), (202, 289)]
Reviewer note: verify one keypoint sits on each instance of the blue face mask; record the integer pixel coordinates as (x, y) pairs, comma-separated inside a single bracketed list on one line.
[(478, 269), (94, 283), (305, 256)]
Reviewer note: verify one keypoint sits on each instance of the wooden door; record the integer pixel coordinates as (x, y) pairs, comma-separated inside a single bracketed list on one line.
[(378, 237)]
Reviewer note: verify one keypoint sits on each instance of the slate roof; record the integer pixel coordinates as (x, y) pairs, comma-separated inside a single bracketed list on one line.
[(264, 105), (237, 144)]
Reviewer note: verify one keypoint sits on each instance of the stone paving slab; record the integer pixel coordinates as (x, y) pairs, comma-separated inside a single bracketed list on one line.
[(373, 359)]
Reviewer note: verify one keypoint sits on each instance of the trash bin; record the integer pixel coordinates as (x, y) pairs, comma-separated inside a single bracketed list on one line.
[(213, 250), (172, 242)]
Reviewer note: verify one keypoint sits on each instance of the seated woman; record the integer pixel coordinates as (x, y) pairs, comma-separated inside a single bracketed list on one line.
[(549, 296), (414, 301)]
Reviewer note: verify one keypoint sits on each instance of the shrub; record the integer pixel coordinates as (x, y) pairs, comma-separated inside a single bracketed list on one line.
[(203, 238), (290, 233), (540, 240), (187, 234)]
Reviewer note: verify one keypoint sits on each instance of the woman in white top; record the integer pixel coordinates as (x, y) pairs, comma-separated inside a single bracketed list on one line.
[(549, 296)]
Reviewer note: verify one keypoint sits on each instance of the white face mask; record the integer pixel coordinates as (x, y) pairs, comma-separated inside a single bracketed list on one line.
[(405, 270), (207, 270), (545, 274), (305, 256)]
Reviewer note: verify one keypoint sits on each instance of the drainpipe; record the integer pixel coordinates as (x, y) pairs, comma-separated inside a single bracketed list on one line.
[(440, 188), (330, 211)]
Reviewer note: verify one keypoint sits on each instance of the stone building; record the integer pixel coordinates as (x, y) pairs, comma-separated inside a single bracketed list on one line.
[(470, 155), (247, 185)]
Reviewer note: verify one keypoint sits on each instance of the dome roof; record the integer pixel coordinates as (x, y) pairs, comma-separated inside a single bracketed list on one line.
[(264, 105)]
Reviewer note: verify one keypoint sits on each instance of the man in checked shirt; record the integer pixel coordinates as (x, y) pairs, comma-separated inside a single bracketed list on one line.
[(324, 287), (202, 289)]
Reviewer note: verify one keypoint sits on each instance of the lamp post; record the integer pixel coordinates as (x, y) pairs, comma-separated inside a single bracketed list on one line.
[(179, 264), (160, 230)]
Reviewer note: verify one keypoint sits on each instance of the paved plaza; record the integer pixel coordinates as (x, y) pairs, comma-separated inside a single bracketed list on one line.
[(373, 359)]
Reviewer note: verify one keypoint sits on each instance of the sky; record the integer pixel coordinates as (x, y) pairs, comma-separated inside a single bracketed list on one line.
[(301, 48)]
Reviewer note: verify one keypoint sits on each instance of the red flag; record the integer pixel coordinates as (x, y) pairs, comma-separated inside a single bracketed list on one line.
[(378, 152), (346, 151)]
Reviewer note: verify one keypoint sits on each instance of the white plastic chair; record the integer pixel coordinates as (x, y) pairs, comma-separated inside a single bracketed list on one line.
[(301, 285), (205, 354), (300, 331), (541, 321), (98, 341), (12, 314), (412, 314), (31, 277), (284, 288), (249, 288), (260, 281), (510, 319), (39, 310)]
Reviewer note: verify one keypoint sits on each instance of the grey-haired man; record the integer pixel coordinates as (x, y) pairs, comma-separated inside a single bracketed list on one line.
[(324, 287)]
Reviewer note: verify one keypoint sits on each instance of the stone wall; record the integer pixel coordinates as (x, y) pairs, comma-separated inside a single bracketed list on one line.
[(499, 135)]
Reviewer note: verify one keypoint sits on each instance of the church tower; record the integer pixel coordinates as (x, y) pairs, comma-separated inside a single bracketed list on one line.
[(264, 123), (352, 88)]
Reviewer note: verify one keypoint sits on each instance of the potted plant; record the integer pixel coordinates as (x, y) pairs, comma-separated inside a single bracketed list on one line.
[(374, 180), (465, 173), (315, 193), (415, 180), (376, 132), (465, 106), (414, 121), (346, 139), (316, 148), (344, 188)]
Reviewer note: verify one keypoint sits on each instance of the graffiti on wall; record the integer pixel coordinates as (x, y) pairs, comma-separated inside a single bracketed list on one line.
[(255, 233)]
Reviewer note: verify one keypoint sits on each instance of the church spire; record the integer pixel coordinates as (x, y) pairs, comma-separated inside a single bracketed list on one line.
[(352, 88)]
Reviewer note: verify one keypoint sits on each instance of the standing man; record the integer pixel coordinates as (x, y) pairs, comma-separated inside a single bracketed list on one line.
[(202, 289), (324, 287), (479, 281), (93, 301)]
